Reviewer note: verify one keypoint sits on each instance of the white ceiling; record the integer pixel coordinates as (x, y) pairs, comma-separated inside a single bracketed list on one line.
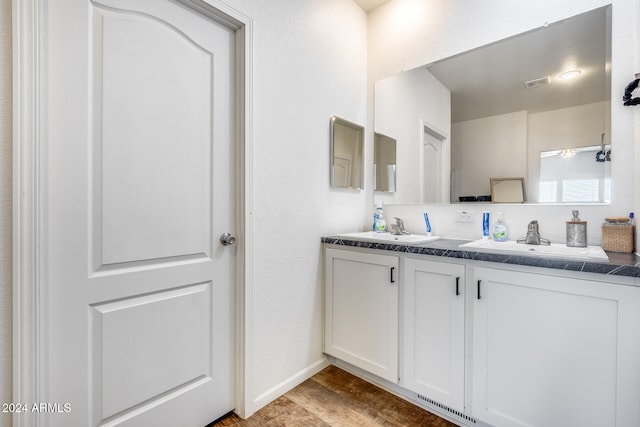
[(369, 5), (489, 81)]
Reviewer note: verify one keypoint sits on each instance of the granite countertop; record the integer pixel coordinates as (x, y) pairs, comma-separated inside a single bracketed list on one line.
[(620, 264)]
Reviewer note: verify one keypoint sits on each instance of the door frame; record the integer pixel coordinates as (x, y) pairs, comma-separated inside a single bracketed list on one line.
[(29, 201)]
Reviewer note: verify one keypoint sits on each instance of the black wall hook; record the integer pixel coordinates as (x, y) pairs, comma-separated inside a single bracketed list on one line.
[(627, 97)]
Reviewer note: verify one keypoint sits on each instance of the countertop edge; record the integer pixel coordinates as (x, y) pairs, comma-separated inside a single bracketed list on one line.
[(620, 264)]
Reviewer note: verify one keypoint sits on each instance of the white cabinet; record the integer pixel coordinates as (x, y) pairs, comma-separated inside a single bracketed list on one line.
[(509, 348), (433, 313), (361, 310), (554, 351)]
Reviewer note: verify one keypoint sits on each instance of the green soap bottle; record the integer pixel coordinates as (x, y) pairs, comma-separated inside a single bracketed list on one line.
[(499, 231)]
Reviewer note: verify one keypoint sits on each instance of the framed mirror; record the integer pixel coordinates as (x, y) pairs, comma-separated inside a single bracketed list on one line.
[(384, 163), (507, 190), (347, 154), (498, 107)]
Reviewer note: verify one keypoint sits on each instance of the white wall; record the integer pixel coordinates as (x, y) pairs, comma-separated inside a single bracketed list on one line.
[(401, 103), (492, 147), (5, 209), (482, 145), (309, 64), (404, 34), (547, 131)]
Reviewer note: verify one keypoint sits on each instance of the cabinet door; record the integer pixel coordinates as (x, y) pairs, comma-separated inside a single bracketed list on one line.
[(433, 339), (361, 318), (551, 351)]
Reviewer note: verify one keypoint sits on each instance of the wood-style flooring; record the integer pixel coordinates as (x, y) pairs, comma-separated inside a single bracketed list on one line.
[(334, 397)]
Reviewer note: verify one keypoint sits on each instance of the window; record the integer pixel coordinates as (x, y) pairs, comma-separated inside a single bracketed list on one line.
[(581, 190), (548, 192)]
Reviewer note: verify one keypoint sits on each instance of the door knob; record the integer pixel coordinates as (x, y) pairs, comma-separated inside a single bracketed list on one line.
[(227, 239)]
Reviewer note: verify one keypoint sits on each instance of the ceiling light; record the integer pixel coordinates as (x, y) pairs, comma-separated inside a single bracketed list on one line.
[(569, 74)]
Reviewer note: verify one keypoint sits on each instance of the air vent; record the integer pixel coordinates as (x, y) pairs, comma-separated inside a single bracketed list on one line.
[(537, 82), (446, 408)]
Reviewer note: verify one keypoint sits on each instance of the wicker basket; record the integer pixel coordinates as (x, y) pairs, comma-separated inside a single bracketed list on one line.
[(617, 237)]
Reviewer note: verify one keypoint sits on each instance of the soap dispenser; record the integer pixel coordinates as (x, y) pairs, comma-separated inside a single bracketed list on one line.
[(576, 231), (379, 224), (499, 229)]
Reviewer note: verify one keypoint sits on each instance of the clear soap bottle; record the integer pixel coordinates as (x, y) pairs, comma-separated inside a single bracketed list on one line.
[(499, 232), (379, 225)]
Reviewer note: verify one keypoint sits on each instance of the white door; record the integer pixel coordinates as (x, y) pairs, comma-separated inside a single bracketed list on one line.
[(432, 169), (139, 167)]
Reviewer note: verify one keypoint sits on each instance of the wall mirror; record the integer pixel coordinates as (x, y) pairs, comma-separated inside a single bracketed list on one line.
[(347, 154), (384, 163), (568, 175), (496, 109)]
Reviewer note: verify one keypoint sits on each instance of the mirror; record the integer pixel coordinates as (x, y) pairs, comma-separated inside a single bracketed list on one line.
[(569, 175), (384, 163), (347, 154), (497, 108)]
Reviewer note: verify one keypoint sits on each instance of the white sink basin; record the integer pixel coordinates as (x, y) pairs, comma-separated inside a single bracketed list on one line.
[(372, 236), (555, 250)]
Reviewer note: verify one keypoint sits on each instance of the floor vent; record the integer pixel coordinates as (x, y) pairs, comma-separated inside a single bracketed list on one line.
[(446, 408)]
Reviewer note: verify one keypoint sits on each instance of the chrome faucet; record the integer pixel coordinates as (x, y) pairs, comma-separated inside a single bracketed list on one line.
[(398, 228), (533, 235)]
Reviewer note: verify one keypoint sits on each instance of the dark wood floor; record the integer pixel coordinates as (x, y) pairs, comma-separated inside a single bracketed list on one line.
[(334, 397)]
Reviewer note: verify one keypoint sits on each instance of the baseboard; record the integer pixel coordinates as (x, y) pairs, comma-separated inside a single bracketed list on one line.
[(286, 385)]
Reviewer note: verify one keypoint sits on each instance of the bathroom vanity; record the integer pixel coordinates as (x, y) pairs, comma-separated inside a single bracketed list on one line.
[(488, 339)]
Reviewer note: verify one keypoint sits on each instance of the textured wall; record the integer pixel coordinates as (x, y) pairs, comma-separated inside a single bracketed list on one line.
[(5, 207), (309, 64), (401, 101), (486, 144), (404, 34)]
